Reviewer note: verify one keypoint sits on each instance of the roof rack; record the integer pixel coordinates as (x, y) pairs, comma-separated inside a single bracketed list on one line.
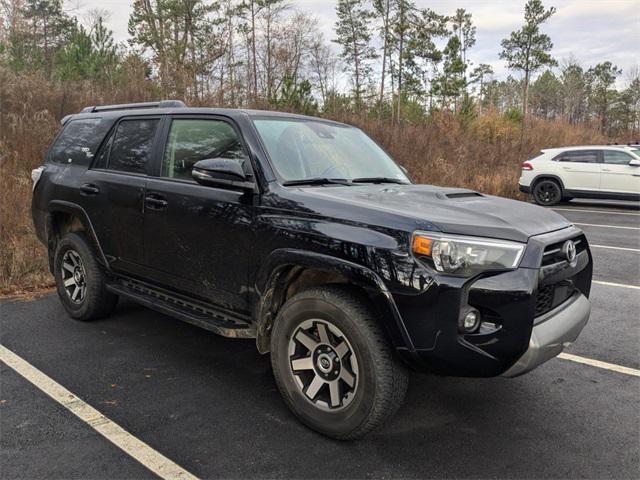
[(135, 106)]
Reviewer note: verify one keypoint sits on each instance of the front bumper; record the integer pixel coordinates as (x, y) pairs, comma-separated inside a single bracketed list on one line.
[(524, 188), (518, 309), (552, 333)]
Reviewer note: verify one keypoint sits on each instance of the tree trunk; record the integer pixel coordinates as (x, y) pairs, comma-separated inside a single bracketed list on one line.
[(384, 56), (400, 48), (253, 51), (525, 99), (269, 76)]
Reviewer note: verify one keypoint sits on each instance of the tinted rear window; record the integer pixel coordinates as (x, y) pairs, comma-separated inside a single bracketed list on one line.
[(78, 141), (130, 149)]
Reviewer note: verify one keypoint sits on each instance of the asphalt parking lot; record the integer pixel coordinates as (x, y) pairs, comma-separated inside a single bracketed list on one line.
[(209, 404)]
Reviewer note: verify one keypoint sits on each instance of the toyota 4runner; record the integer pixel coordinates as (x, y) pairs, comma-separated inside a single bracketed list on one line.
[(303, 234)]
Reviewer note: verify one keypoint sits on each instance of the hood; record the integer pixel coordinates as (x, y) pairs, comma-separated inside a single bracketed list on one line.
[(451, 210)]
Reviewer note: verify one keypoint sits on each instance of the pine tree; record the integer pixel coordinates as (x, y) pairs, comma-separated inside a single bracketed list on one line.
[(465, 30), (353, 35), (601, 80), (527, 49)]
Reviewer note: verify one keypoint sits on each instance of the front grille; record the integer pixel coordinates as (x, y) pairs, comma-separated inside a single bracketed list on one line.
[(553, 253), (551, 295), (544, 301)]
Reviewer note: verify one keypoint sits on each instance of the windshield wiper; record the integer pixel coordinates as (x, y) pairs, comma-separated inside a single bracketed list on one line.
[(317, 181), (379, 180)]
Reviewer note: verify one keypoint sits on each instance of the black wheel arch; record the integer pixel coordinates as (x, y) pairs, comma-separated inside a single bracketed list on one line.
[(64, 217), (547, 176), (288, 271)]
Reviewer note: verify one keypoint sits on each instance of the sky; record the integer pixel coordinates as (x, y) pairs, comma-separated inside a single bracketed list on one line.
[(589, 31)]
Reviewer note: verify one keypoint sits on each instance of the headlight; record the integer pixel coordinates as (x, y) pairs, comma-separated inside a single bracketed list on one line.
[(466, 256)]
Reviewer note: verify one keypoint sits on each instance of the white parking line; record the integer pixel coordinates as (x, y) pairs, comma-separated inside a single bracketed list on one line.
[(615, 248), (132, 446), (606, 226), (596, 211), (599, 364), (611, 284)]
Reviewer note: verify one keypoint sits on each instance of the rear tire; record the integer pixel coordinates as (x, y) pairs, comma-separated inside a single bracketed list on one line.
[(80, 281), (547, 192), (333, 364)]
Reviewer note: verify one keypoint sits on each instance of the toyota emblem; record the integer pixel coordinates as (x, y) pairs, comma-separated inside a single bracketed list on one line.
[(569, 250)]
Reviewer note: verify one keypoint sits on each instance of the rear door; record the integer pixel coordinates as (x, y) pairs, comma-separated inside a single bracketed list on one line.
[(199, 239), (579, 170), (617, 175), (113, 190)]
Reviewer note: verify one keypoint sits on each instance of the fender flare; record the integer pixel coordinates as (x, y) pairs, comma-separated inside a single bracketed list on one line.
[(550, 176), (75, 209), (273, 273)]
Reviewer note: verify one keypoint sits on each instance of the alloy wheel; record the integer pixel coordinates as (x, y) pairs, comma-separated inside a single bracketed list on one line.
[(323, 364), (547, 192), (74, 277)]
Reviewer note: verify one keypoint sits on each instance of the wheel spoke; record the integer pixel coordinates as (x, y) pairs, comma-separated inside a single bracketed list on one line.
[(314, 387), (305, 363), (82, 289), (348, 378), (342, 349), (306, 340), (334, 391), (322, 333), (67, 266), (76, 291), (69, 281), (73, 259)]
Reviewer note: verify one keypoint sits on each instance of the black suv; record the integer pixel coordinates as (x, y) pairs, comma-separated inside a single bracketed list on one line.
[(304, 234)]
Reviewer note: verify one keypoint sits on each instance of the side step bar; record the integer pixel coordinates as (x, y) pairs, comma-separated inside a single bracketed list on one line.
[(189, 311)]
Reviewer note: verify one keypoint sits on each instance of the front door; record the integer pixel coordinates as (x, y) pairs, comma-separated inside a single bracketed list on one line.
[(199, 239), (580, 170), (617, 176)]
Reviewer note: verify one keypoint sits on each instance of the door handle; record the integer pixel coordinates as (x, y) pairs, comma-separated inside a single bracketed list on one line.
[(89, 189), (155, 202), (606, 170)]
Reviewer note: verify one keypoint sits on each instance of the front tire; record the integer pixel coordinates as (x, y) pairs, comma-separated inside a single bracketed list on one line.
[(333, 364), (547, 192), (80, 281)]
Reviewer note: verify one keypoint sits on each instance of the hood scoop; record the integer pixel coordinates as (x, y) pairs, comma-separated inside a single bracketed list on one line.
[(458, 194)]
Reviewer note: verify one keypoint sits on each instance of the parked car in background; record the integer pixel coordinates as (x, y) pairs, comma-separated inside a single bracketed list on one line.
[(557, 174)]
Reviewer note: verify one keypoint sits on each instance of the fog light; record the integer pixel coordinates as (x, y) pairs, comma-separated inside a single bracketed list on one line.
[(470, 321)]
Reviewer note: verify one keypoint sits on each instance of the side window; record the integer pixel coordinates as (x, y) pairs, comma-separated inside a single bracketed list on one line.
[(78, 142), (616, 158), (103, 154), (131, 145), (580, 156), (192, 140)]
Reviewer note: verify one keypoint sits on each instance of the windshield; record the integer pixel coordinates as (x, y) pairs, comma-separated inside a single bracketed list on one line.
[(305, 149)]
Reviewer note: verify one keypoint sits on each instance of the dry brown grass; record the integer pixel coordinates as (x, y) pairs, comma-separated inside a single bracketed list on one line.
[(484, 156)]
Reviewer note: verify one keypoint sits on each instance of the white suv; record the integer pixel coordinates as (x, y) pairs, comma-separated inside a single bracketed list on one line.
[(557, 174)]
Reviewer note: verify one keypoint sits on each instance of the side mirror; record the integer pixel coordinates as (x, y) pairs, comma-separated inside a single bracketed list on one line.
[(220, 172), (634, 163)]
